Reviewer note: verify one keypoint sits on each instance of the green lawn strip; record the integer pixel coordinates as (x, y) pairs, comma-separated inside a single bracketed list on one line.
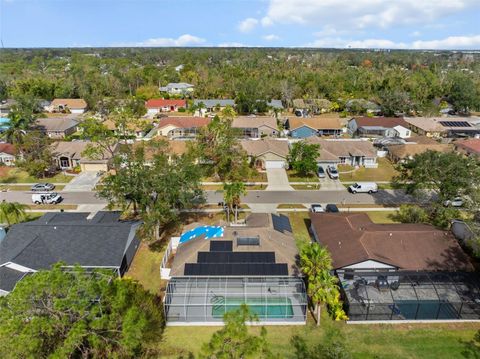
[(366, 205), (384, 172), (23, 188), (52, 206), (291, 206), (311, 187), (219, 187), (382, 216), (15, 175), (295, 177)]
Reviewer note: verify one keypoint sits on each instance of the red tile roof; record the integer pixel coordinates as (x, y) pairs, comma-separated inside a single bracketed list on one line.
[(388, 122), (161, 102), (8, 148), (184, 122), (470, 145)]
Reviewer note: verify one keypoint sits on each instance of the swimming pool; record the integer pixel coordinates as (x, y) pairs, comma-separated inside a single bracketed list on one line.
[(264, 308), (207, 231)]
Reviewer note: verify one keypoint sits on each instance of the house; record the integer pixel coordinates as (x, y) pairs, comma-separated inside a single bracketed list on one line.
[(213, 105), (178, 88), (6, 106), (179, 127), (267, 153), (158, 105), (101, 242), (217, 268), (361, 105), (255, 126), (8, 154), (379, 127), (402, 152), (275, 105), (57, 127), (353, 152), (451, 127), (314, 126), (72, 105), (470, 147), (300, 108), (137, 129), (398, 271), (69, 155)]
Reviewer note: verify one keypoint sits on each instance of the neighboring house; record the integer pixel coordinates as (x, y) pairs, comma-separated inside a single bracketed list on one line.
[(8, 154), (267, 153), (6, 106), (379, 127), (397, 271), (470, 147), (57, 127), (158, 105), (68, 155), (402, 152), (349, 151), (314, 126), (215, 269), (138, 129), (275, 105), (214, 105), (300, 108), (256, 126), (73, 105), (179, 127), (102, 242), (362, 105), (452, 127), (178, 88)]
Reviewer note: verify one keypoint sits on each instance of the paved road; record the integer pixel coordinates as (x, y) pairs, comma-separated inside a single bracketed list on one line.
[(266, 197)]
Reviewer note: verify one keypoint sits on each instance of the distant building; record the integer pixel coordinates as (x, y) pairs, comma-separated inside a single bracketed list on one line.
[(451, 127), (155, 106), (379, 127), (57, 127), (214, 105), (179, 127), (8, 154), (301, 127), (180, 88), (255, 126), (72, 105), (6, 106)]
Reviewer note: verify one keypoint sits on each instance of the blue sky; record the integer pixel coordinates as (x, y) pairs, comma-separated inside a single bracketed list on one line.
[(432, 24)]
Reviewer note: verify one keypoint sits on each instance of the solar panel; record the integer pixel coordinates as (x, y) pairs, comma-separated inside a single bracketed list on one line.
[(455, 124), (221, 246), (248, 241), (235, 269), (281, 223), (236, 257)]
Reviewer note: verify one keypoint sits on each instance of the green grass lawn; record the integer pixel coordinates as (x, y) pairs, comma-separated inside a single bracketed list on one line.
[(16, 175), (306, 187), (384, 172), (293, 176)]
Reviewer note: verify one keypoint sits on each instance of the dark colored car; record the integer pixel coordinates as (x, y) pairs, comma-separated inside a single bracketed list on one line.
[(331, 208)]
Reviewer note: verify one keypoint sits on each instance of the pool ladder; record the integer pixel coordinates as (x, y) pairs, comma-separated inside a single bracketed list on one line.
[(218, 301)]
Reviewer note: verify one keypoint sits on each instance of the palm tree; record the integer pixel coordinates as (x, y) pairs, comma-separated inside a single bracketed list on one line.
[(12, 210), (232, 193), (17, 128)]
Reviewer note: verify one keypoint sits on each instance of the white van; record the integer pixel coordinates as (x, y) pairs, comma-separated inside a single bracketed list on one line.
[(363, 187), (46, 198)]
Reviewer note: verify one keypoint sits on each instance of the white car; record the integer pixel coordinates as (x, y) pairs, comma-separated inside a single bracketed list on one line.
[(456, 202), (46, 198), (363, 187), (332, 172), (316, 208)]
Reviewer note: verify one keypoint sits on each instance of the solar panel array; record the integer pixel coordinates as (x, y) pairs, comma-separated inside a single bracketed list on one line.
[(281, 223), (248, 241), (455, 124), (221, 246), (215, 269), (236, 257)]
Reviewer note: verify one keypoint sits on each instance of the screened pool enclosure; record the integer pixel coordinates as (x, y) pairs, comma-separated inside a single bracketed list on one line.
[(205, 300)]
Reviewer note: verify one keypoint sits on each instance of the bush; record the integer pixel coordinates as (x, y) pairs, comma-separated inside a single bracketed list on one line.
[(411, 214), (182, 109)]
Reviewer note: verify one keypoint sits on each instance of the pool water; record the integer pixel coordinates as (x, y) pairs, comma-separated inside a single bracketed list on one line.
[(280, 307), (207, 231), (425, 309)]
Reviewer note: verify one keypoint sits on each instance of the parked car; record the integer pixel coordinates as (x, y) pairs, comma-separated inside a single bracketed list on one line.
[(46, 198), (43, 187), (316, 208), (320, 172), (456, 202), (332, 172), (331, 208), (363, 187)]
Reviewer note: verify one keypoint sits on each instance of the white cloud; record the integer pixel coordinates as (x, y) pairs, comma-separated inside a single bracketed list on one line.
[(415, 33), (248, 24), (266, 21), (451, 42), (183, 40), (361, 14), (232, 44), (337, 42), (271, 37)]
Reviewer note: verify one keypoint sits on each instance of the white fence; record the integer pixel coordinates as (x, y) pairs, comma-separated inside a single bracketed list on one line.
[(172, 247)]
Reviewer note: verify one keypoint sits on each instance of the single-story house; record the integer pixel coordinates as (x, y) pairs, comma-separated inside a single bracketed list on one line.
[(6, 106), (379, 127), (357, 105), (267, 153), (180, 127), (73, 105), (101, 242), (470, 147), (275, 105), (301, 127), (8, 154), (398, 271), (68, 155), (452, 127), (57, 127), (177, 88), (353, 152), (256, 126), (214, 105), (137, 129), (402, 152), (158, 105)]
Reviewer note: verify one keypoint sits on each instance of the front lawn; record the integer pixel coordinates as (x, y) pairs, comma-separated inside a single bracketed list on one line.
[(16, 175), (293, 176), (384, 172)]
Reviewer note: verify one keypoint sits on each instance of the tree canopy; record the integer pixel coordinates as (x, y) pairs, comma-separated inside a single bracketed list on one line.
[(303, 157)]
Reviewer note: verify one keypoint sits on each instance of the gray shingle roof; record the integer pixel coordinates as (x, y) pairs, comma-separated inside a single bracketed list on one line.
[(215, 102), (9, 278)]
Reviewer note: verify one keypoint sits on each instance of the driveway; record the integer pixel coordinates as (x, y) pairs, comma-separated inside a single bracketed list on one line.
[(278, 180), (328, 184), (84, 182)]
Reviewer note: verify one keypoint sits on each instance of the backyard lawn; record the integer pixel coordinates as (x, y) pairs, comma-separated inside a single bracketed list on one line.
[(384, 172), (15, 175)]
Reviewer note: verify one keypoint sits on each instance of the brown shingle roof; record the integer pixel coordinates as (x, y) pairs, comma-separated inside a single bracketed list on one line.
[(183, 122), (57, 124), (259, 147), (160, 102), (254, 122), (352, 238), (74, 150), (8, 148), (387, 122), (334, 149), (317, 123), (70, 102), (471, 145)]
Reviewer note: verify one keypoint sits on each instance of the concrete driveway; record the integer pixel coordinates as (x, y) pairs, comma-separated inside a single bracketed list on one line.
[(278, 180), (84, 182), (328, 184)]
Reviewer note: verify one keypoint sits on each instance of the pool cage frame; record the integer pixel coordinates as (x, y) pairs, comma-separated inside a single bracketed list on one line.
[(397, 295), (203, 300)]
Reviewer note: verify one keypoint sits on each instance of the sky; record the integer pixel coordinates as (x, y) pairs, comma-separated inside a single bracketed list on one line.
[(392, 24)]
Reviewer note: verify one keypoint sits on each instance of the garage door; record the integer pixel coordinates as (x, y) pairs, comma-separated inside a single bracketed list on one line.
[(274, 164), (93, 167)]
